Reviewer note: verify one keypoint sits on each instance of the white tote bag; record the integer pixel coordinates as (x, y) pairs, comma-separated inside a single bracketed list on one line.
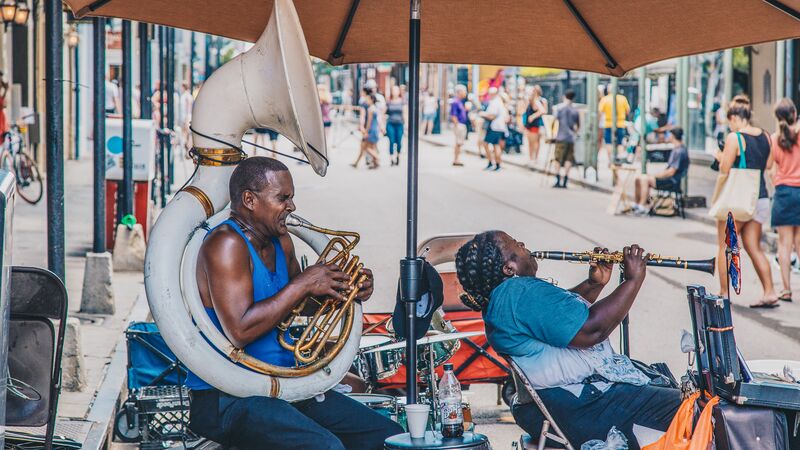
[(740, 192)]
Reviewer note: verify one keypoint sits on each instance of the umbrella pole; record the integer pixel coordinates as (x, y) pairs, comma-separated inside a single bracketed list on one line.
[(411, 265)]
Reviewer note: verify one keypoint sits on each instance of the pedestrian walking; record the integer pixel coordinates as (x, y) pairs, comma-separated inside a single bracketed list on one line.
[(606, 108), (752, 143), (395, 122), (786, 201), (497, 115), (261, 136), (568, 124), (430, 104), (112, 97), (185, 116), (325, 101), (460, 118), (536, 108), (3, 92), (371, 134)]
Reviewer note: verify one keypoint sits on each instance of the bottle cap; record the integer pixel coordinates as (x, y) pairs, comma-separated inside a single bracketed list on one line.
[(448, 366)]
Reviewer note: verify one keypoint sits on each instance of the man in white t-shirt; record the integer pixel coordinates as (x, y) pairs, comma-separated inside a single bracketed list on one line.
[(112, 97), (497, 113)]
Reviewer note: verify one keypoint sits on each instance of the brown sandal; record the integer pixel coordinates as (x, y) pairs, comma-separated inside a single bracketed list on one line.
[(786, 296), (766, 304)]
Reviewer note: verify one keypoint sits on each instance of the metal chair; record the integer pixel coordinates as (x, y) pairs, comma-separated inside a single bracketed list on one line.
[(676, 195), (527, 394)]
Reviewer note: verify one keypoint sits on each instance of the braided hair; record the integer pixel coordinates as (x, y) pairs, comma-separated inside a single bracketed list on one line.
[(479, 266)]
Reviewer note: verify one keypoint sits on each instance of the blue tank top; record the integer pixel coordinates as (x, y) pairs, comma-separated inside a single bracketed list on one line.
[(265, 284)]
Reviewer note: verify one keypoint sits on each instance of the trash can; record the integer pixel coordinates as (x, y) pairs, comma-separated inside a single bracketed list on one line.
[(144, 151)]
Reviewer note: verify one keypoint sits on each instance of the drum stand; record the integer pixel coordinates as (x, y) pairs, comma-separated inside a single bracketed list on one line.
[(431, 380)]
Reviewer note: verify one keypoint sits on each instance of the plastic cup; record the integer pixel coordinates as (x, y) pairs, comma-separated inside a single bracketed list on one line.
[(417, 419)]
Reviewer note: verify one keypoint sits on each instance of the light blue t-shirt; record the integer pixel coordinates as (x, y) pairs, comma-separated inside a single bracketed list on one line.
[(534, 321)]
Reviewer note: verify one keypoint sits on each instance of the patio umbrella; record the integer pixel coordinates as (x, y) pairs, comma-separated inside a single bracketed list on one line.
[(604, 36)]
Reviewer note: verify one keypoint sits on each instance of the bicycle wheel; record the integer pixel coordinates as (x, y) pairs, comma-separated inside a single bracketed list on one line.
[(29, 181)]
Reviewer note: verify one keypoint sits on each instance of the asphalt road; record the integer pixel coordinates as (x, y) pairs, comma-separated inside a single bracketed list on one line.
[(469, 199)]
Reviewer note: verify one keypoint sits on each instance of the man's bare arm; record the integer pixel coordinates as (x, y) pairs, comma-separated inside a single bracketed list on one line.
[(230, 284)]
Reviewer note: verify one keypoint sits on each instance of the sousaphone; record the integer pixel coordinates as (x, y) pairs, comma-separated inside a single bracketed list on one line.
[(271, 85)]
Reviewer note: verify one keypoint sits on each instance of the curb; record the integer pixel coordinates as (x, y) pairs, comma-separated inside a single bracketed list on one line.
[(769, 238), (101, 413)]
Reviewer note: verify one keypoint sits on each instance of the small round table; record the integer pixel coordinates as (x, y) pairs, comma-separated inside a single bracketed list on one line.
[(433, 440)]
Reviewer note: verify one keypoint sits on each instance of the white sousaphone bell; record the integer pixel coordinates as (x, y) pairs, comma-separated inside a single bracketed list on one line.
[(271, 85)]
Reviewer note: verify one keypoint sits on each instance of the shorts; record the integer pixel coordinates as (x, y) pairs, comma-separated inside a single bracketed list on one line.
[(565, 151), (761, 214), (666, 184), (461, 133), (786, 206), (607, 135), (273, 135), (428, 117), (326, 124), (533, 129), (494, 137)]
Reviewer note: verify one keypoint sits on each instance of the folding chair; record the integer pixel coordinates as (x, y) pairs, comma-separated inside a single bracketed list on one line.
[(527, 394), (661, 197)]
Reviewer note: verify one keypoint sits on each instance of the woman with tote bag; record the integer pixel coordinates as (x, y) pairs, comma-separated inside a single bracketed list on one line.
[(753, 145)]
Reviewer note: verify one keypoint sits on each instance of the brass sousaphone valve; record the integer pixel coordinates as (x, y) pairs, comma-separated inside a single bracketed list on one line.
[(312, 348)]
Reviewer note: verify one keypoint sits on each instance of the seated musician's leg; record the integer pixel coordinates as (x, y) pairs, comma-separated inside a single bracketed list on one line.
[(592, 415), (261, 422), (357, 426), (626, 405)]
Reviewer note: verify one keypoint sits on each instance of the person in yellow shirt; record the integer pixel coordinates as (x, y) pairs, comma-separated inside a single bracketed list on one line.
[(606, 109)]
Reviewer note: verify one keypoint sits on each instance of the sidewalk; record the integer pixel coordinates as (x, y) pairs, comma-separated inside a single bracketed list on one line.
[(86, 415), (701, 179)]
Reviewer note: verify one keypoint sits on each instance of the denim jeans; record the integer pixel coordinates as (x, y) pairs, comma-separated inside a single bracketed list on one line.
[(395, 133), (591, 415), (338, 422)]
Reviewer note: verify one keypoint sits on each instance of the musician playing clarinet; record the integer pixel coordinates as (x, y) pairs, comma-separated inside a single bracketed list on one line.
[(249, 281), (560, 339)]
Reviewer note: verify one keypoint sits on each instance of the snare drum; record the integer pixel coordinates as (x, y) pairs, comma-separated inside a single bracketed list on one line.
[(377, 365), (385, 405)]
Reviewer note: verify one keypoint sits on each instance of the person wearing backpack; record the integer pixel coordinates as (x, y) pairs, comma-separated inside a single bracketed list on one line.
[(753, 144)]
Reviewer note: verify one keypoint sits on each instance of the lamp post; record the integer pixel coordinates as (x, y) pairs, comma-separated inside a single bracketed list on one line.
[(21, 16), (73, 39), (8, 9), (14, 12)]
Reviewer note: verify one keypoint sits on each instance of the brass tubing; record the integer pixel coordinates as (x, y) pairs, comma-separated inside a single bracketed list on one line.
[(314, 340)]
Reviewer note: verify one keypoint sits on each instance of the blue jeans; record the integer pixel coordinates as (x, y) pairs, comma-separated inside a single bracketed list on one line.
[(591, 415), (395, 133), (338, 422)]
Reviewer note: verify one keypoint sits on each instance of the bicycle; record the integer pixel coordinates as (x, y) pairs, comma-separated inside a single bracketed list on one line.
[(15, 159)]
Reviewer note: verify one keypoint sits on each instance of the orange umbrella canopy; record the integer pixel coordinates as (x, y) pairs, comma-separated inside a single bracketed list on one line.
[(604, 36)]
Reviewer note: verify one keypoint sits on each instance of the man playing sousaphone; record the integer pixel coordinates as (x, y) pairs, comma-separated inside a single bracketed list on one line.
[(559, 338), (249, 281)]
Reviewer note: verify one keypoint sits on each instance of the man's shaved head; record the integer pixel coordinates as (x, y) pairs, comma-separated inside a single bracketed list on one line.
[(253, 175)]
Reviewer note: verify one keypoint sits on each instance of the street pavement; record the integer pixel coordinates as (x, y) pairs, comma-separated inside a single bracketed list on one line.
[(451, 199), (521, 202)]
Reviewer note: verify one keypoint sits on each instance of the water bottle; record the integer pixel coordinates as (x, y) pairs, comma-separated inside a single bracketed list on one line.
[(450, 404)]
